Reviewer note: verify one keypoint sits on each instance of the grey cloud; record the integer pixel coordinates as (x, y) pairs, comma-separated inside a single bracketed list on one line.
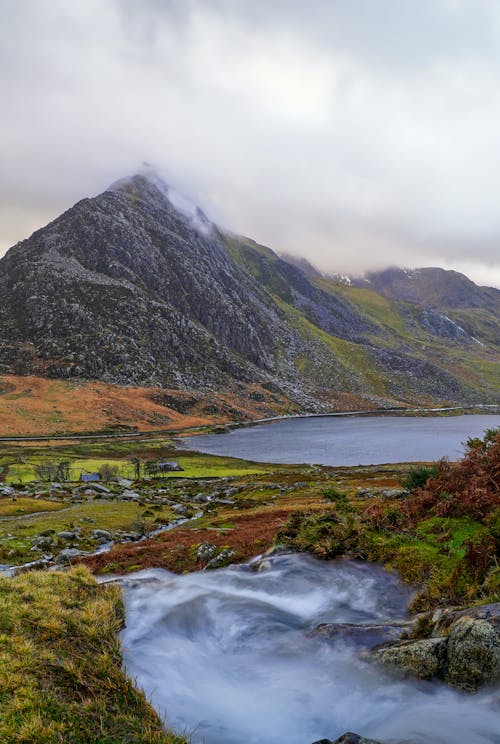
[(355, 133)]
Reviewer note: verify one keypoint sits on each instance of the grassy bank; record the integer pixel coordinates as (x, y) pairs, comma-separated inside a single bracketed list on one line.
[(444, 536), (61, 680)]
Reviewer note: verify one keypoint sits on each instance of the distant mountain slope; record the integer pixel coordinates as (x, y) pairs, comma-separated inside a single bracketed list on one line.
[(136, 287)]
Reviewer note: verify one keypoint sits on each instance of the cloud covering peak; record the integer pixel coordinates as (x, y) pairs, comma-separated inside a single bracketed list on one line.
[(356, 134)]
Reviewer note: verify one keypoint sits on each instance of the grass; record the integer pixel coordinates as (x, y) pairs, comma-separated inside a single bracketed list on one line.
[(61, 679), (15, 534), (370, 302), (24, 506), (86, 458)]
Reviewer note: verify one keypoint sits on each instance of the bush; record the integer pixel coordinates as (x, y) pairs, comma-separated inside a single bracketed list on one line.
[(418, 476)]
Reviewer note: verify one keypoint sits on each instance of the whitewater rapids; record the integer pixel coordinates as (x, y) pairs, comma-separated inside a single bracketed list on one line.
[(226, 657)]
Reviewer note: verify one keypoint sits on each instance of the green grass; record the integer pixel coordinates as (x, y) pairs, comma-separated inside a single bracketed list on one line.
[(195, 465), (355, 362), (24, 506), (61, 678), (15, 534), (369, 302)]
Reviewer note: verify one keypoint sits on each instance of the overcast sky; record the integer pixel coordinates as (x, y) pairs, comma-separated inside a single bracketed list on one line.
[(356, 133)]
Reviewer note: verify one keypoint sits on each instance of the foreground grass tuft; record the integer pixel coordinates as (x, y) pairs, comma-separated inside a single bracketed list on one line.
[(60, 665)]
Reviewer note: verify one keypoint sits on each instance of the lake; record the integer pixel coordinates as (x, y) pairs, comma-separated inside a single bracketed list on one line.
[(348, 440)]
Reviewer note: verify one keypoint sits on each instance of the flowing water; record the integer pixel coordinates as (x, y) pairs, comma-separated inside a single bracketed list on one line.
[(227, 656), (349, 440)]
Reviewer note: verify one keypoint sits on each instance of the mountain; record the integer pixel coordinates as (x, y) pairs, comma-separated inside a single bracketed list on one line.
[(136, 286)]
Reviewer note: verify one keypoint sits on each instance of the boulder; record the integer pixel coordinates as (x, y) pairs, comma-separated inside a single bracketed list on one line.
[(131, 496), (473, 654), (423, 659), (463, 648), (68, 535), (67, 555), (206, 552), (222, 559), (180, 509), (100, 535)]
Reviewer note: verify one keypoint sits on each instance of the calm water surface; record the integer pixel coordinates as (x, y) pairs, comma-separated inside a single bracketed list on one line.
[(350, 440)]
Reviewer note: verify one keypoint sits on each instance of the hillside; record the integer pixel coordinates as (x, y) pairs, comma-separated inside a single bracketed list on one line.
[(134, 287)]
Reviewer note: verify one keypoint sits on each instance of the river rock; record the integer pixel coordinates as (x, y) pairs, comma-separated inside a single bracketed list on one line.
[(368, 635), (473, 653), (442, 619), (423, 659)]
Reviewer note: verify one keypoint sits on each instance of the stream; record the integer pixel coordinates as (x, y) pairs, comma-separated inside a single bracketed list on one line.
[(227, 657)]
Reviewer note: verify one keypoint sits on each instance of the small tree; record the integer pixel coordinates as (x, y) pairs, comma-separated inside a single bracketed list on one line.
[(108, 472), (138, 464)]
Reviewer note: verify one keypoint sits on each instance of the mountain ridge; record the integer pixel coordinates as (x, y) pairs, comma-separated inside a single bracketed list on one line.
[(130, 288)]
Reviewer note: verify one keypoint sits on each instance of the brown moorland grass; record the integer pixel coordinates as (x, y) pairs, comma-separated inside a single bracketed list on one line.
[(250, 533), (31, 406)]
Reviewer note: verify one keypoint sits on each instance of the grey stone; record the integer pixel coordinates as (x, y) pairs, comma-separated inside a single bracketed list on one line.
[(222, 559), (473, 653), (100, 534), (422, 659), (206, 552), (67, 555)]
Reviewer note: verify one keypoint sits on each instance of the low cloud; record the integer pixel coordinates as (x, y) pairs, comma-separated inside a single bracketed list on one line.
[(356, 134)]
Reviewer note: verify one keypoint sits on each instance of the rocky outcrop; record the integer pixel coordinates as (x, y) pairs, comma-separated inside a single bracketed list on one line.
[(463, 648)]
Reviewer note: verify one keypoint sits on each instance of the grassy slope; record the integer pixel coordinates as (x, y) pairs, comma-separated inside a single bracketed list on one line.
[(37, 406), (61, 680)]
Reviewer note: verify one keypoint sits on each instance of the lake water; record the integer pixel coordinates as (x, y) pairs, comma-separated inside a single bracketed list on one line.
[(228, 657), (348, 440)]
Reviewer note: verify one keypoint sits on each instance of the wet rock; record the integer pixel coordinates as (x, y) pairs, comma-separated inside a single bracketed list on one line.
[(206, 552), (473, 653), (222, 559), (367, 635), (463, 647), (442, 619), (423, 659), (7, 491)]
